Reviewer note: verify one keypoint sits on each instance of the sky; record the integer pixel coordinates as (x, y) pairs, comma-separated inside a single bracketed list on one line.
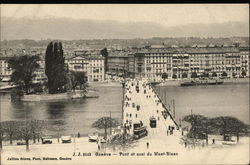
[(164, 14)]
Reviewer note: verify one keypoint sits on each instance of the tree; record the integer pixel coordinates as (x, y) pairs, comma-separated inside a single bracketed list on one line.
[(184, 75), (214, 74), (76, 78), (164, 76), (200, 126), (205, 74), (195, 121), (55, 68), (224, 74), (105, 123), (234, 74), (104, 53), (36, 127), (194, 75), (80, 78), (206, 127), (10, 128), (25, 132), (24, 68), (230, 126), (1, 136), (243, 73), (30, 129), (174, 76)]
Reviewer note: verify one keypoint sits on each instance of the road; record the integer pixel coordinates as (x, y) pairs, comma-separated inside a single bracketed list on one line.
[(157, 137)]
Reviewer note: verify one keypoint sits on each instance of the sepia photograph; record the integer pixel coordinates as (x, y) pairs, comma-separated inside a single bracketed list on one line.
[(124, 84)]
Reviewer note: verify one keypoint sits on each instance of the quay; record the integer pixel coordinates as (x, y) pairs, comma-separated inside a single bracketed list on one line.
[(141, 105)]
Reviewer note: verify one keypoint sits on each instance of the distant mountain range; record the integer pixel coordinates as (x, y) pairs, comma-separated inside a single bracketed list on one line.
[(72, 29)]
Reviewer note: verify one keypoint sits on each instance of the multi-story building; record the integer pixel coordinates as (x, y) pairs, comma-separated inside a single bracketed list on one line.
[(40, 72), (245, 60), (91, 64), (5, 71), (118, 63), (157, 62), (214, 60), (180, 63)]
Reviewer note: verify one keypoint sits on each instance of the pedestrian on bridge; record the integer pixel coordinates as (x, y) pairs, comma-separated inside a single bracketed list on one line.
[(147, 145)]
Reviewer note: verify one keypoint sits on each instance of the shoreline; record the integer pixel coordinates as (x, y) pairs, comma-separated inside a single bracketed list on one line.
[(226, 81)]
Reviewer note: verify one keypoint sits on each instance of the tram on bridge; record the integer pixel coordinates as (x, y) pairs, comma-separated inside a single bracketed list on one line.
[(152, 122), (139, 131)]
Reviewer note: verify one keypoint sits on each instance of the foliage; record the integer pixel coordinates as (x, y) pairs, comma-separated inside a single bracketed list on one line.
[(227, 125), (214, 74), (23, 70), (11, 128), (234, 74), (184, 75), (164, 76), (16, 94), (194, 75), (29, 129), (104, 53), (76, 78), (122, 141), (243, 73), (55, 68), (174, 76), (25, 132), (1, 135), (205, 74), (104, 123), (224, 74), (38, 88), (196, 122)]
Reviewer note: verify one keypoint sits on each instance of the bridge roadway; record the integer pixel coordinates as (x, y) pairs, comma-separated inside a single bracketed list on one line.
[(157, 137)]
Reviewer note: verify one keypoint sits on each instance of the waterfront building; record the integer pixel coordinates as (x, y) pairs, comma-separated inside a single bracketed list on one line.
[(118, 63), (40, 73), (214, 60), (179, 63), (91, 64), (5, 71), (245, 60)]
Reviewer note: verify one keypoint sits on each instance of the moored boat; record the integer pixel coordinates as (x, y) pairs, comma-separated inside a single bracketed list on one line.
[(201, 82)]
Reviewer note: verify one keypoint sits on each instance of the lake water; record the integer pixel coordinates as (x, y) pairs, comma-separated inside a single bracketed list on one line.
[(67, 117), (74, 116), (210, 101)]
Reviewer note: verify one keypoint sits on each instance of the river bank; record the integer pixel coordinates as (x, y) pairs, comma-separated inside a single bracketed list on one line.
[(226, 81), (77, 94), (105, 84)]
